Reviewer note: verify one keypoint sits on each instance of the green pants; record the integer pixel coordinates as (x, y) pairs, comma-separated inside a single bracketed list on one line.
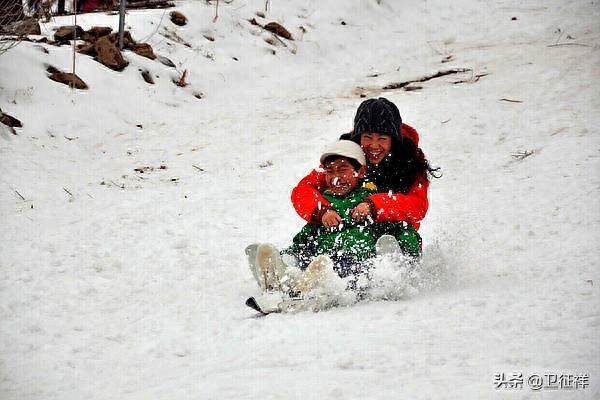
[(311, 242)]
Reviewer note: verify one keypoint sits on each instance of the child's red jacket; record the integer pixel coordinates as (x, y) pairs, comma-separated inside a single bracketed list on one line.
[(389, 207)]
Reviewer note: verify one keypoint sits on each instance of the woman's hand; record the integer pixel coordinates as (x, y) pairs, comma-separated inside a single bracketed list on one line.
[(361, 212), (331, 219)]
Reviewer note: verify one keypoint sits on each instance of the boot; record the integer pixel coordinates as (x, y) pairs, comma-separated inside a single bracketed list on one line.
[(313, 274), (387, 245), (270, 269)]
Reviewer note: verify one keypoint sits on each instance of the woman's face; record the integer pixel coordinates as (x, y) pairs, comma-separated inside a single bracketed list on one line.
[(375, 146)]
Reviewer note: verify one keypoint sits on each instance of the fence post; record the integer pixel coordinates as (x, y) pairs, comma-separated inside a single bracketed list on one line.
[(121, 23)]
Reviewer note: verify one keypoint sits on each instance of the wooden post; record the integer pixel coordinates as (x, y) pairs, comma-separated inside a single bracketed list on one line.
[(121, 23)]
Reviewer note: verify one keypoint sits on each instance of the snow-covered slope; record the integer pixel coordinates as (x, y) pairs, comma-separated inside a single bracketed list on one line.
[(121, 284)]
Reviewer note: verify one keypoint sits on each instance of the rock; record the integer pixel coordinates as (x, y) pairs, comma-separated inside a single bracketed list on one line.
[(278, 30), (89, 49), (10, 121), (68, 79), (29, 26), (66, 33), (147, 77), (178, 18), (96, 32), (109, 54), (144, 50), (51, 69), (88, 38), (99, 31), (128, 41), (164, 60)]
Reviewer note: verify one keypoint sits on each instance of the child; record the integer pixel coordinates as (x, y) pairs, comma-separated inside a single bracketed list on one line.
[(340, 240)]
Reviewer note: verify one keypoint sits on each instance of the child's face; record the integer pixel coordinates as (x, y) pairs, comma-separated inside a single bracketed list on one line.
[(376, 146), (341, 177)]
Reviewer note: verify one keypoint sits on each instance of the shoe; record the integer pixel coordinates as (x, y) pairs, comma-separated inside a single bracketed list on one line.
[(270, 269), (387, 245), (313, 274)]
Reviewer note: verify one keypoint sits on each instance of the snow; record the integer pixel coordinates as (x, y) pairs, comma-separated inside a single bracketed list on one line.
[(121, 284)]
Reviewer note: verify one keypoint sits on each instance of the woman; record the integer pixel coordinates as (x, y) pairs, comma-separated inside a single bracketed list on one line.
[(396, 166)]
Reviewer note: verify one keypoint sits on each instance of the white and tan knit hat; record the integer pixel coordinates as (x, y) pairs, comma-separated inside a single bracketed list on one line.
[(345, 148)]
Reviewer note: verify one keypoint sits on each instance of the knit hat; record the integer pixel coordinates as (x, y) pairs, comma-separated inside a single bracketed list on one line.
[(378, 116), (345, 148)]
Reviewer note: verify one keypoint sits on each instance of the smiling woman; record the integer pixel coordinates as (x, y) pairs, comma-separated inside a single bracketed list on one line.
[(376, 146)]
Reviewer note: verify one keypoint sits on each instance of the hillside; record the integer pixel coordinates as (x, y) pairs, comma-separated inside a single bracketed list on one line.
[(125, 208)]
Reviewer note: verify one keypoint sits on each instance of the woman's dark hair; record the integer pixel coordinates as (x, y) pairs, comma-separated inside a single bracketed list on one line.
[(406, 163), (400, 169)]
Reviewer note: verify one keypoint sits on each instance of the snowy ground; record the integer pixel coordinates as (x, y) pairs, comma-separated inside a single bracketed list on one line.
[(120, 284)]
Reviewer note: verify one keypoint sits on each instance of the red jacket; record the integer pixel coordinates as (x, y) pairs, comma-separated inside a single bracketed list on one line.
[(389, 207)]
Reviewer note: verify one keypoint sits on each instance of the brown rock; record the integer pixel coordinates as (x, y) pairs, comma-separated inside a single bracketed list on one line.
[(96, 32), (178, 18), (51, 69), (144, 50), (28, 26), (109, 54), (66, 33), (278, 30), (88, 49), (128, 41), (68, 79), (99, 31)]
